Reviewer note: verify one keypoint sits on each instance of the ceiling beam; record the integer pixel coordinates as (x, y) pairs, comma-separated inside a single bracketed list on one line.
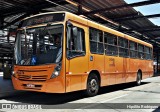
[(29, 11), (14, 21), (150, 30), (127, 15), (155, 28), (80, 11), (17, 10), (135, 17), (22, 17), (1, 22), (17, 4), (123, 6), (41, 6), (157, 37)]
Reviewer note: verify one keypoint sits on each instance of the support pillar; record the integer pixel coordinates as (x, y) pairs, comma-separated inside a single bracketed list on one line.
[(1, 22), (80, 11), (157, 62)]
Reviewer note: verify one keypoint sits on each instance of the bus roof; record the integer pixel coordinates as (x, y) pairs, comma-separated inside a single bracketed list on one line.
[(93, 24)]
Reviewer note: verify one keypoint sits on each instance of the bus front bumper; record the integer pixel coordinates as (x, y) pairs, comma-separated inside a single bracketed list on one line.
[(55, 85)]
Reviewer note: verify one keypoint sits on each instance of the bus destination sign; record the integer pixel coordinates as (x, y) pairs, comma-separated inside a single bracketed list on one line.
[(42, 19)]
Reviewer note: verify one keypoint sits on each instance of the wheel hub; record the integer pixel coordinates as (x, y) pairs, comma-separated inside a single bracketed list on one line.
[(93, 85)]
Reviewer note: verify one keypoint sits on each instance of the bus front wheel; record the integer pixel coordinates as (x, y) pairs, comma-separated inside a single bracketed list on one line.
[(92, 85), (139, 78)]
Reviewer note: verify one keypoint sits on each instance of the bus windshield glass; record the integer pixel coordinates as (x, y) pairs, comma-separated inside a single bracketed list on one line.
[(36, 46)]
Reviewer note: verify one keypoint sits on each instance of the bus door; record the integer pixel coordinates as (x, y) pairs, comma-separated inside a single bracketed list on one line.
[(77, 59)]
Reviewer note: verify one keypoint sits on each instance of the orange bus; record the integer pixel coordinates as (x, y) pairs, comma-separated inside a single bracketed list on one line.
[(61, 52)]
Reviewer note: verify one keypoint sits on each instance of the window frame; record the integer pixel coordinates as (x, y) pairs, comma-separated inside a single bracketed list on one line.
[(141, 52), (117, 46), (150, 53), (108, 44), (67, 51), (135, 50), (124, 48), (96, 41)]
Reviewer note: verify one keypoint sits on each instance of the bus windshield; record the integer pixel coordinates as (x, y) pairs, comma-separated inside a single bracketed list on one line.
[(40, 45)]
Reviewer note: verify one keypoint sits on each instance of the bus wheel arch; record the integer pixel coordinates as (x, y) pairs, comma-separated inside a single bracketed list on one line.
[(98, 75), (139, 77), (93, 83)]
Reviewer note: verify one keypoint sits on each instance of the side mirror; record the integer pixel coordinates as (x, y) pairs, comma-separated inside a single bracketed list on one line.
[(74, 30), (69, 24), (69, 28)]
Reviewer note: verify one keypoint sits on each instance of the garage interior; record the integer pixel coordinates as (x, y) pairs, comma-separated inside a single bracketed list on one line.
[(116, 14)]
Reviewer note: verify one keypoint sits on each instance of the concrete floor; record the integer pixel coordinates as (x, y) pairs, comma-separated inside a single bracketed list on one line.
[(111, 98), (6, 87)]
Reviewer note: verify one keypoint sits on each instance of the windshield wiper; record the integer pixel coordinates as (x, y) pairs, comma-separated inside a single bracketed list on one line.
[(27, 62)]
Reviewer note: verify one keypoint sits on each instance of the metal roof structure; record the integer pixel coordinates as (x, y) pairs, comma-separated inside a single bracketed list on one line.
[(112, 13)]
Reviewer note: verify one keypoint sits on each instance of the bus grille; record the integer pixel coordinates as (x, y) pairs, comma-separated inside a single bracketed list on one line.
[(32, 78)]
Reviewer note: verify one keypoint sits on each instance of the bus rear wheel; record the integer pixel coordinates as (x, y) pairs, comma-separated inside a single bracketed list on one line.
[(92, 85), (139, 78)]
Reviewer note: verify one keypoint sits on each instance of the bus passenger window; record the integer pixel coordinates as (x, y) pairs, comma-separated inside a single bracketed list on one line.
[(147, 53), (133, 49), (110, 44), (96, 41), (77, 44), (150, 52), (123, 47), (141, 51)]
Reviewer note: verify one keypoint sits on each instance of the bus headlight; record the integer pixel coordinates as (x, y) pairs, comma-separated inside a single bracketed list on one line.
[(56, 72), (13, 74)]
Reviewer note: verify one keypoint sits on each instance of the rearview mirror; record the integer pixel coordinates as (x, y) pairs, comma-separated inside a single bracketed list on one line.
[(69, 24), (74, 30), (69, 28)]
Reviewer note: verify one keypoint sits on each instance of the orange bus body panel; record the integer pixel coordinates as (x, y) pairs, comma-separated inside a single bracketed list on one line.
[(39, 76), (124, 69)]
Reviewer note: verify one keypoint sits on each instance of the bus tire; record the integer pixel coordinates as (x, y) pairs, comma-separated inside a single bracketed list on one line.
[(92, 85), (139, 78)]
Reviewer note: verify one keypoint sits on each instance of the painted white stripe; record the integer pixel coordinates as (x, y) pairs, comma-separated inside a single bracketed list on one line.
[(78, 109), (104, 101)]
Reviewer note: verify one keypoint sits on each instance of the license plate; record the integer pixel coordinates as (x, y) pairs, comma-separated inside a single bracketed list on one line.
[(30, 85)]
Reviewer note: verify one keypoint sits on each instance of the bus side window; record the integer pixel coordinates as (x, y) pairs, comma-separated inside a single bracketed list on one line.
[(147, 52), (111, 44), (133, 49), (96, 41), (151, 53), (123, 47), (77, 44), (141, 51)]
